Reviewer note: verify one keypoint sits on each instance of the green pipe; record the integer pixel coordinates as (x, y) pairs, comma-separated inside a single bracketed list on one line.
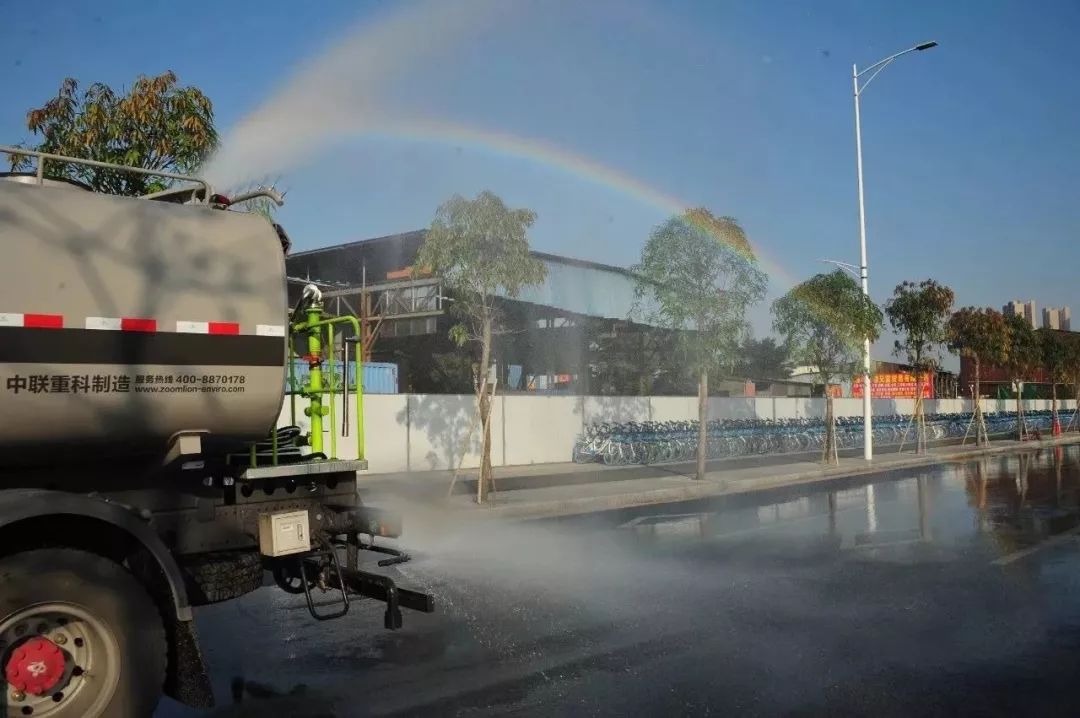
[(359, 378), (333, 404), (273, 447), (292, 383), (314, 387), (314, 390), (358, 364)]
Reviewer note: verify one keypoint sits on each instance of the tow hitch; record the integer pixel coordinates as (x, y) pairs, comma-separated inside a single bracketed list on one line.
[(321, 568)]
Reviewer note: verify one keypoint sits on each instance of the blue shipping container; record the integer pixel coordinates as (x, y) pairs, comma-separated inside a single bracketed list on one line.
[(379, 377)]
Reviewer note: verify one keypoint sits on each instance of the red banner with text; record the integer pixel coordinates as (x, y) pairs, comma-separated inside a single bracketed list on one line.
[(898, 385)]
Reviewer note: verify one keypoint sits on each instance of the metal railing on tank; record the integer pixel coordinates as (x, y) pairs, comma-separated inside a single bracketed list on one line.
[(204, 197)]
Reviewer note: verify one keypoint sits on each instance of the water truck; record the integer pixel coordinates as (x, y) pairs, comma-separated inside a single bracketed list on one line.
[(145, 347)]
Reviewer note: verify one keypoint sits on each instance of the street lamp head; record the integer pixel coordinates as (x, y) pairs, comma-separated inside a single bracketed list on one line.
[(926, 45)]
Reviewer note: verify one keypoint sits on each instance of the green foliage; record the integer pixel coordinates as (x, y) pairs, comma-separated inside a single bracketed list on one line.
[(1072, 351), (918, 313), (980, 334), (1024, 353), (1056, 354), (643, 362), (452, 373), (157, 124), (459, 334), (825, 321), (480, 249), (698, 273), (763, 359)]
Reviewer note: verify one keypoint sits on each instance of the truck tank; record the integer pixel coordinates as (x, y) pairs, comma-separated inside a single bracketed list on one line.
[(124, 321)]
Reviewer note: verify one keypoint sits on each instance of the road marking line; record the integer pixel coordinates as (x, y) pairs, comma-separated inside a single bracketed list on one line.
[(1052, 541)]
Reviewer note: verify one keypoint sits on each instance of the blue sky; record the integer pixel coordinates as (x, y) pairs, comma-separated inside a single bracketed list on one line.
[(971, 149)]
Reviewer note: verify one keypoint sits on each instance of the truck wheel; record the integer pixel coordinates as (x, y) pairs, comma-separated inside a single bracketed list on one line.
[(222, 575), (79, 637)]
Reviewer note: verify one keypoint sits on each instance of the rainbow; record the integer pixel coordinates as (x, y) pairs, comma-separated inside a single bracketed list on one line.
[(548, 154)]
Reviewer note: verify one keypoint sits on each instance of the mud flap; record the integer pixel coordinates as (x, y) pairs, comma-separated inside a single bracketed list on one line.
[(187, 679)]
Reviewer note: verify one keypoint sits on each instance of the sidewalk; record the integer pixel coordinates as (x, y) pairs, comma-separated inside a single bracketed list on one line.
[(549, 490)]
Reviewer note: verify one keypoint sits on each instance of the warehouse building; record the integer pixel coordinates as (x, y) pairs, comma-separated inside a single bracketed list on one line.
[(577, 332)]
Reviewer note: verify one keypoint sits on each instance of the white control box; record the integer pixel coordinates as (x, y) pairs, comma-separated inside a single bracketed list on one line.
[(284, 533)]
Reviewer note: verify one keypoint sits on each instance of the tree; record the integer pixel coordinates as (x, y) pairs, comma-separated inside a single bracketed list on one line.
[(1072, 345), (825, 320), (982, 336), (451, 373), (918, 312), (762, 359), (697, 276), (1023, 357), (156, 125), (480, 250), (637, 361), (1055, 354)]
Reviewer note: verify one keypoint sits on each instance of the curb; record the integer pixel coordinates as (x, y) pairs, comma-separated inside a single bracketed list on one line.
[(710, 488)]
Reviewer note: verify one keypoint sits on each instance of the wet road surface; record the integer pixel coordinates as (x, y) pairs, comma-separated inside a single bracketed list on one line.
[(945, 591)]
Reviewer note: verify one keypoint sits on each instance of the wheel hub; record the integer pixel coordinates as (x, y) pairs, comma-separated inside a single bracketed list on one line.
[(36, 666)]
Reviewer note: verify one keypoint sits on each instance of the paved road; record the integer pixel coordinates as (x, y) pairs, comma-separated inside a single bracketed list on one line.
[(945, 591)]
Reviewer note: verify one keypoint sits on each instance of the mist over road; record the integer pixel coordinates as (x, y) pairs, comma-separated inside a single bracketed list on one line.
[(937, 592)]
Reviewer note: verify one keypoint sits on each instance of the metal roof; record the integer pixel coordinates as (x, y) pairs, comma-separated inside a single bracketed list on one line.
[(587, 288), (576, 286)]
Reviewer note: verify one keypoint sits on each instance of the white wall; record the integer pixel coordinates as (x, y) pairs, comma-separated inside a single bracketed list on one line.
[(541, 429), (730, 408), (844, 407), (385, 432), (418, 432), (765, 408), (598, 409), (785, 408), (439, 432), (673, 408)]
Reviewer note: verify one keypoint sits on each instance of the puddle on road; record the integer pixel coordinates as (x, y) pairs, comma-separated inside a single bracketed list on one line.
[(997, 505)]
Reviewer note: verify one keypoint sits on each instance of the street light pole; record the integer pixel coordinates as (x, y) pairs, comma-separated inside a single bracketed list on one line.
[(868, 436), (864, 274)]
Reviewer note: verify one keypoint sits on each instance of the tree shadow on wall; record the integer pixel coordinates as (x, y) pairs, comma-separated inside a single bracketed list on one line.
[(439, 426), (614, 409)]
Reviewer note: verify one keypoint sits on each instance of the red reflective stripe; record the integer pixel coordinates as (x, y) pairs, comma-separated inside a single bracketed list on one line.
[(43, 321), (128, 324), (224, 328)]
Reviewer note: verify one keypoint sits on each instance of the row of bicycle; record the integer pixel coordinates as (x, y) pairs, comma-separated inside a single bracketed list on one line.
[(653, 442)]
